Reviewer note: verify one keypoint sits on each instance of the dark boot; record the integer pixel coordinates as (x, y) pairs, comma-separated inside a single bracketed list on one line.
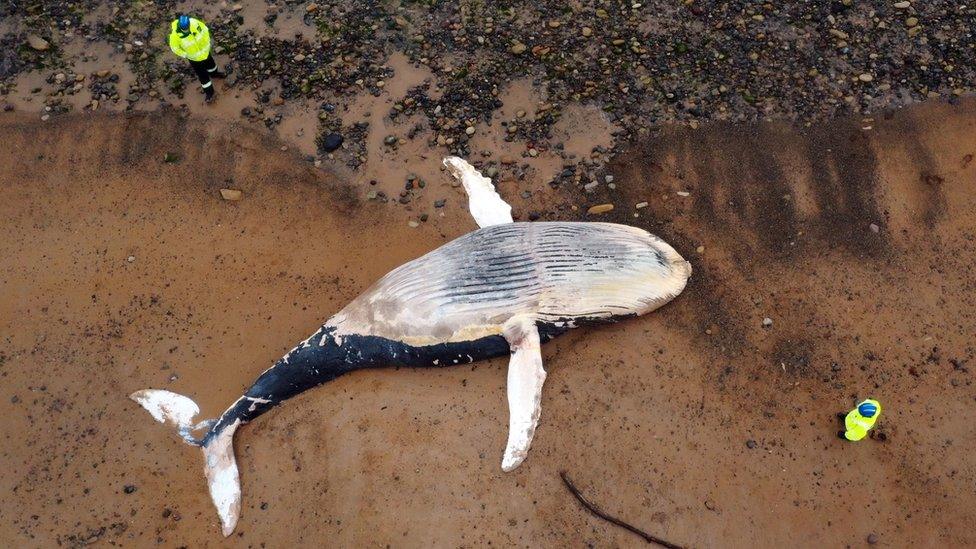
[(209, 94), (218, 74)]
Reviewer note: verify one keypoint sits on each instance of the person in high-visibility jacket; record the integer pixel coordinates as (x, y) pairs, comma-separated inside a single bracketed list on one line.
[(860, 420), (190, 39)]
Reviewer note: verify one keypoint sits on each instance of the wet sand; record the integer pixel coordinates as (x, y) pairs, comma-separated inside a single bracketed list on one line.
[(120, 271)]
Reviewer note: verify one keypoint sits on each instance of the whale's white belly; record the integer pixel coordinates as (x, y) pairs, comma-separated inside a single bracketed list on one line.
[(554, 272)]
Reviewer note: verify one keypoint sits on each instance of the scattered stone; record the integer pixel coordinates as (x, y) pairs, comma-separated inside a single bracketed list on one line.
[(231, 194), (38, 43), (518, 48), (330, 142), (641, 205), (170, 157), (130, 259), (129, 488), (533, 152), (600, 209), (903, 5), (440, 203), (767, 322), (865, 77), (311, 8), (587, 32), (751, 444), (413, 224), (469, 130), (389, 140), (875, 228), (873, 538)]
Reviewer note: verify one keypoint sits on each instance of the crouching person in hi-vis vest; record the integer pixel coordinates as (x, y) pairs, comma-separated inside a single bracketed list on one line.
[(190, 39), (860, 420)]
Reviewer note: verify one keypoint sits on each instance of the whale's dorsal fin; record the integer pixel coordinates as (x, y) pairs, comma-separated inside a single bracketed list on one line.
[(486, 206), (525, 378)]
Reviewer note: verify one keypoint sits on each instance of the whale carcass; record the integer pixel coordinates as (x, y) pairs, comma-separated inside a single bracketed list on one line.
[(502, 289)]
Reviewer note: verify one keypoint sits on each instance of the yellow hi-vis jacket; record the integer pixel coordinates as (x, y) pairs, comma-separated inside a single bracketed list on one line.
[(858, 425), (195, 45)]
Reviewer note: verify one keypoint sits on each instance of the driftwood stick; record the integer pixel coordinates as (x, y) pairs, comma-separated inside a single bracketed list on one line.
[(598, 512)]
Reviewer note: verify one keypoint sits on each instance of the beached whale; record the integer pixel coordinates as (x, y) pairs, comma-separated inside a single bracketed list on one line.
[(502, 289)]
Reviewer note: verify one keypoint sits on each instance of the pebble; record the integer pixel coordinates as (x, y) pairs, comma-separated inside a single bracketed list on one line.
[(911, 21), (131, 258), (440, 203), (599, 209), (587, 32), (518, 48), (608, 178), (129, 488), (231, 194), (533, 153), (413, 224), (37, 43), (767, 322), (903, 5), (641, 205), (311, 8), (683, 193), (751, 444), (389, 140), (865, 77), (874, 228), (873, 538), (469, 130), (591, 186)]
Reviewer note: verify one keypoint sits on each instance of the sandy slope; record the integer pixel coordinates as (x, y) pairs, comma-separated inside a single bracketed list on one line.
[(651, 417)]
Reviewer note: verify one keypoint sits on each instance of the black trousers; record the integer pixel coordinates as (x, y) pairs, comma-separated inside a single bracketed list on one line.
[(204, 69)]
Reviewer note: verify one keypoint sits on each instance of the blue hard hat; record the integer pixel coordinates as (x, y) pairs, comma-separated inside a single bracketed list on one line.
[(867, 409), (183, 23)]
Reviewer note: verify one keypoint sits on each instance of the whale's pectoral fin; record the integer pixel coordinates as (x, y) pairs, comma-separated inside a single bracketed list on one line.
[(487, 207), (525, 378)]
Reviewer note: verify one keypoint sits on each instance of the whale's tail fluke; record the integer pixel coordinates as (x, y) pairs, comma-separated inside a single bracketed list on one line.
[(220, 465)]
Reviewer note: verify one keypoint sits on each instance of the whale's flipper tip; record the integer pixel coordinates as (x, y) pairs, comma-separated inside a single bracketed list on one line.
[(223, 479), (511, 461), (167, 406), (486, 205)]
